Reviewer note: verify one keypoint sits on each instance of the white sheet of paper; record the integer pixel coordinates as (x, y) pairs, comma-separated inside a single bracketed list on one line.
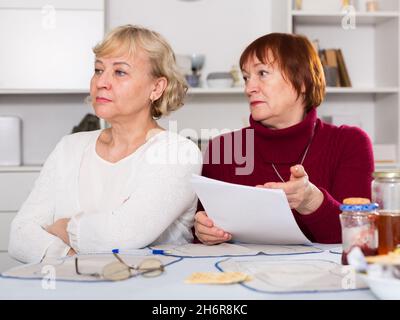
[(202, 250), (282, 275), (233, 249), (251, 215)]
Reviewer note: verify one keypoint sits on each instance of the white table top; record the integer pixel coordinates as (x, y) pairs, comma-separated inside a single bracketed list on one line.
[(169, 286)]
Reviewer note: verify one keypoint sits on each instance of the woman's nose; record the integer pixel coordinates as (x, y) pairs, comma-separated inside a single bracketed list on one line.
[(251, 86), (103, 80)]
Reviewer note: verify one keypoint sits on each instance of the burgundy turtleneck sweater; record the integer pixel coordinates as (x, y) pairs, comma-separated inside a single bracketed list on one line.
[(339, 162)]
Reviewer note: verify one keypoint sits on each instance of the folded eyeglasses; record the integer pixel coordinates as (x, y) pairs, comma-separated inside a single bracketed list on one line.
[(120, 270)]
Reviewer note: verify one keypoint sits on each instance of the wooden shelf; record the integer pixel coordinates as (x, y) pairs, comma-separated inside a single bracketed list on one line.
[(329, 90), (33, 168), (364, 18), (196, 91), (355, 90), (203, 91), (44, 91), (387, 165)]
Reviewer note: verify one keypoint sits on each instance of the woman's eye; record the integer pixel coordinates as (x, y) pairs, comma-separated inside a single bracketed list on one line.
[(263, 73), (245, 78), (120, 73), (98, 71)]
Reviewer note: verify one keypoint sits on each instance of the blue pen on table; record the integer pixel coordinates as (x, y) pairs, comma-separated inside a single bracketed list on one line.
[(152, 251)]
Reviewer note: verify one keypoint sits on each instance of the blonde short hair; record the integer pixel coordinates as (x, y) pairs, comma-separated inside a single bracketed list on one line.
[(127, 39)]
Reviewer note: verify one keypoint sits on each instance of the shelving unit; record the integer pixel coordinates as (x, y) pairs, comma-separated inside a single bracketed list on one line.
[(199, 91), (371, 52), (364, 18), (207, 91)]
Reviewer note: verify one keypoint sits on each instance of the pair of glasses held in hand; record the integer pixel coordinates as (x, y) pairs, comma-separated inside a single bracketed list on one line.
[(120, 270)]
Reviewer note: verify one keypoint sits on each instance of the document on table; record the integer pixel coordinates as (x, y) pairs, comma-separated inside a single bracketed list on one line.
[(288, 275), (233, 249), (250, 214)]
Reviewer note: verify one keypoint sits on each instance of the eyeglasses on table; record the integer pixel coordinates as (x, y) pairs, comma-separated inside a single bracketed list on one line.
[(120, 270)]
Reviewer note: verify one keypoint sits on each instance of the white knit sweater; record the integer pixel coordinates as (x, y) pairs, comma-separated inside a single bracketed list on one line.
[(159, 207)]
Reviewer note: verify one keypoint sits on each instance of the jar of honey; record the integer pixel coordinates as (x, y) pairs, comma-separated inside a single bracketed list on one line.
[(386, 192), (388, 231)]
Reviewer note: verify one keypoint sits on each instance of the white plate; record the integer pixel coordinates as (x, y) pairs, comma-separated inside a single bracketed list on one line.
[(383, 288)]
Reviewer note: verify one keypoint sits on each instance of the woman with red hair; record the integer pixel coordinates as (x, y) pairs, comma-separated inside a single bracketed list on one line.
[(316, 164)]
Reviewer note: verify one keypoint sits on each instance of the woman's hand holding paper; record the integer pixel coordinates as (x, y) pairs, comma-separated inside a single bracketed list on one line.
[(207, 232)]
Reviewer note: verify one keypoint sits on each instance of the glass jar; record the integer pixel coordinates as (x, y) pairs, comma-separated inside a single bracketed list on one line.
[(386, 189), (359, 229)]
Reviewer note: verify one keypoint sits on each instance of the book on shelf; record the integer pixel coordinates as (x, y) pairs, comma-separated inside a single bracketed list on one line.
[(332, 63), (343, 73), (336, 73)]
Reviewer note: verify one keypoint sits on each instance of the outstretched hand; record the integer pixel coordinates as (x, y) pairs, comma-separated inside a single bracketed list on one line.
[(303, 196)]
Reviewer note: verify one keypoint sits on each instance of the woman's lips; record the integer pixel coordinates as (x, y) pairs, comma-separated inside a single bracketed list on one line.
[(102, 100), (255, 103)]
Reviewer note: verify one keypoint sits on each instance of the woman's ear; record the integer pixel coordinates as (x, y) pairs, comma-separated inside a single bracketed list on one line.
[(159, 87)]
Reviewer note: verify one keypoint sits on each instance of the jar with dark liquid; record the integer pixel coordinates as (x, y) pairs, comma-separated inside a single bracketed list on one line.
[(359, 229), (388, 230), (386, 192)]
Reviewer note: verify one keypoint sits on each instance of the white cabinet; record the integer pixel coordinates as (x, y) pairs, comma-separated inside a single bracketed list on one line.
[(46, 45), (15, 185), (46, 62), (370, 45)]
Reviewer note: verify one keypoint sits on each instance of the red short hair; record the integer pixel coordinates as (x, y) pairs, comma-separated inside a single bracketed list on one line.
[(297, 60)]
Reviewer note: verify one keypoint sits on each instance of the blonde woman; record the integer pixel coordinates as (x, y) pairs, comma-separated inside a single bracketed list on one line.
[(123, 187)]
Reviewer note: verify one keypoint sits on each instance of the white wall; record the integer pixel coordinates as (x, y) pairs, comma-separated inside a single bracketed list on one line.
[(220, 29), (41, 54), (46, 44)]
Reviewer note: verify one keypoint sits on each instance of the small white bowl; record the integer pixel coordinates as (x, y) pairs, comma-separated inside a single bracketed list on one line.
[(220, 83)]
